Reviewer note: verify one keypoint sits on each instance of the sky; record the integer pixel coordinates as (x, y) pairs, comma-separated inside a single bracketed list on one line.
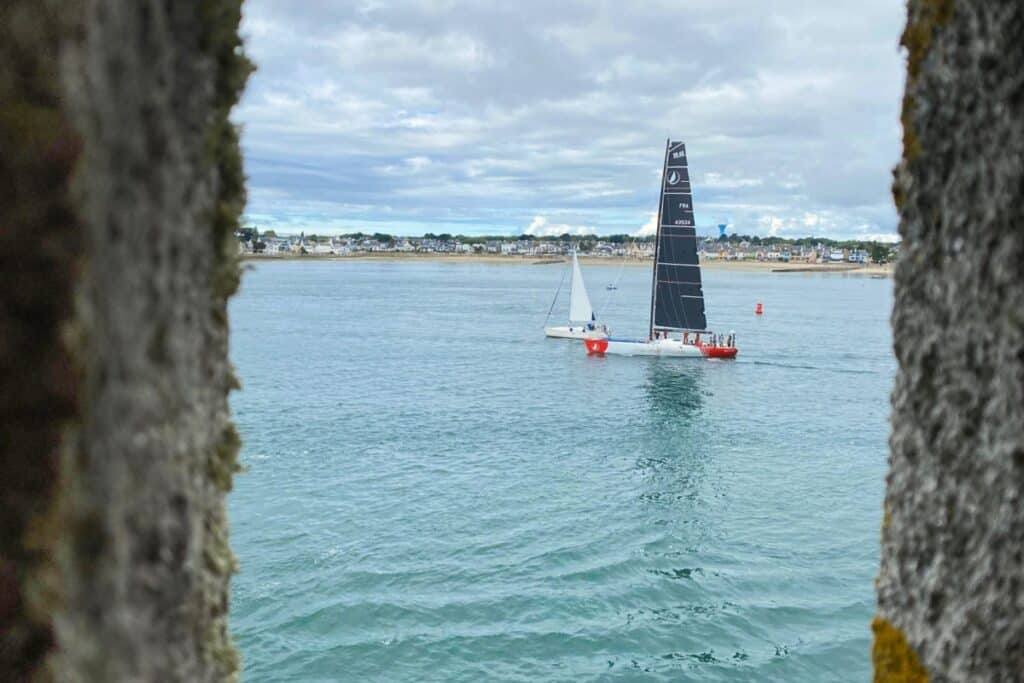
[(551, 117)]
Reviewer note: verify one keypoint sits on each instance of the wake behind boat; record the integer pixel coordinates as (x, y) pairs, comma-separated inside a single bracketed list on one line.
[(677, 296), (582, 320)]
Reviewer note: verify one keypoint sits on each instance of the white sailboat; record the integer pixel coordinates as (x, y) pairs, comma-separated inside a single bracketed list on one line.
[(582, 319), (677, 296)]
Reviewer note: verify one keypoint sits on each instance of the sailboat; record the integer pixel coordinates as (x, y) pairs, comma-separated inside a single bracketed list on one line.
[(581, 313), (678, 326)]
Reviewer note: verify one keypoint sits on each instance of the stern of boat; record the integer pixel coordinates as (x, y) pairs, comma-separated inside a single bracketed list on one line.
[(596, 345), (718, 351)]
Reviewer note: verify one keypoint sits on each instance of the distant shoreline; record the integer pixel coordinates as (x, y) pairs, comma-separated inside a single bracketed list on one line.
[(884, 270)]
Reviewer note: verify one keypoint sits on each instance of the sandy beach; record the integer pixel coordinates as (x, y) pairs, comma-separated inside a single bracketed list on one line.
[(884, 270)]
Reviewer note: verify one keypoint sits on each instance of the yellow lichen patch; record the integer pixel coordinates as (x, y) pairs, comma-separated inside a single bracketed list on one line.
[(923, 19), (898, 195), (223, 463), (894, 660), (911, 145), (220, 40)]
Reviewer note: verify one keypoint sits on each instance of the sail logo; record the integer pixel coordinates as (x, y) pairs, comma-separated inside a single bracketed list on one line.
[(673, 177), (681, 153)]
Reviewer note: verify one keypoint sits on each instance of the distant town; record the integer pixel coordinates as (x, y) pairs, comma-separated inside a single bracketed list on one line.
[(268, 243)]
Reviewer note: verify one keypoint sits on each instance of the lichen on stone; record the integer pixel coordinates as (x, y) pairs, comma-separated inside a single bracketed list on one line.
[(220, 40), (224, 462), (126, 186), (924, 19), (894, 660), (950, 538)]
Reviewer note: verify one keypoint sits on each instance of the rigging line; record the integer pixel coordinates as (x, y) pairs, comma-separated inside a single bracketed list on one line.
[(615, 287), (555, 300)]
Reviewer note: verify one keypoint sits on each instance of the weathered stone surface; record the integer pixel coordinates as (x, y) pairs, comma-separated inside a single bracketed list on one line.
[(952, 571), (117, 206)]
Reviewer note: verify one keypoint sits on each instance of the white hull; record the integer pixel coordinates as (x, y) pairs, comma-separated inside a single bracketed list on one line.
[(579, 310), (655, 347), (574, 332), (672, 348)]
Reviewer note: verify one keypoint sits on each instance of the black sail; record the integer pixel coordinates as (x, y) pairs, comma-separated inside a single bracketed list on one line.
[(677, 297)]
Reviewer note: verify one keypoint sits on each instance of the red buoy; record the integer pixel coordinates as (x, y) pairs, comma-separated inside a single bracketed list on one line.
[(759, 310)]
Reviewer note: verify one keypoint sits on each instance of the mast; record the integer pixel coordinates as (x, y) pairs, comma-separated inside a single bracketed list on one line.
[(677, 297), (657, 240)]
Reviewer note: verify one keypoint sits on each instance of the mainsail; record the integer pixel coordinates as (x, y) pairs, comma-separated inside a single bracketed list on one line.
[(677, 299), (580, 310)]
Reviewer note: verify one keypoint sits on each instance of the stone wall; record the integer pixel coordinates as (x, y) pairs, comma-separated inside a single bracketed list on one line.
[(122, 186), (951, 583)]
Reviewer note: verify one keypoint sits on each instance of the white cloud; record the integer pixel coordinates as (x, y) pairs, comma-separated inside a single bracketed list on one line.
[(438, 111), (772, 225), (791, 182), (539, 227), (361, 46), (889, 237), (418, 163), (717, 180), (650, 227)]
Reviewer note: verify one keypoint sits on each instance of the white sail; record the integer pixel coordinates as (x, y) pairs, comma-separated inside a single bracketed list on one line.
[(579, 303)]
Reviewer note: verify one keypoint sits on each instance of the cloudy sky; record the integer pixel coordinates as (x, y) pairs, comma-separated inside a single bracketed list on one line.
[(548, 117)]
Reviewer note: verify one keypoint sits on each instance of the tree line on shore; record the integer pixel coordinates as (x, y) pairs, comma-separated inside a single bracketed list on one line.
[(878, 251)]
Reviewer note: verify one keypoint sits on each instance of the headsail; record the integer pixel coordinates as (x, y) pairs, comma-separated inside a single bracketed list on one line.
[(580, 310), (677, 298)]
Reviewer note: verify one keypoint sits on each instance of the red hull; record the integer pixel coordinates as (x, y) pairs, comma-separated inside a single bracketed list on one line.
[(596, 346), (718, 351)]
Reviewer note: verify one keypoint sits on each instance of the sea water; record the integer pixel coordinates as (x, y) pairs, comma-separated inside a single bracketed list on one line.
[(436, 492)]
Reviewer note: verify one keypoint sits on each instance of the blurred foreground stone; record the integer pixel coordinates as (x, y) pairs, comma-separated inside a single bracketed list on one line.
[(951, 583), (121, 187)]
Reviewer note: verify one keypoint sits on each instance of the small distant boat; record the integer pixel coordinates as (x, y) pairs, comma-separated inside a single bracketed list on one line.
[(582, 319), (611, 287), (677, 296)]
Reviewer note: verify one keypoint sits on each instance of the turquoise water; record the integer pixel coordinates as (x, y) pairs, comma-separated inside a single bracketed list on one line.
[(436, 492)]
